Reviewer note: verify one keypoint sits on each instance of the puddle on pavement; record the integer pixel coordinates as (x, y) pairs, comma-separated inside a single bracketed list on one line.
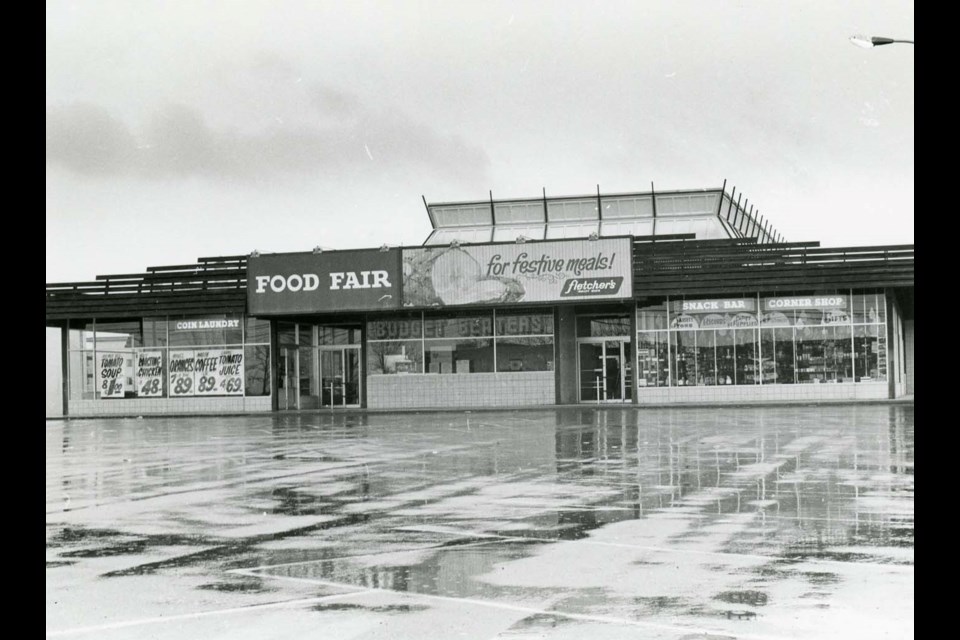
[(59, 563), (102, 543), (753, 598), (245, 585), (386, 608)]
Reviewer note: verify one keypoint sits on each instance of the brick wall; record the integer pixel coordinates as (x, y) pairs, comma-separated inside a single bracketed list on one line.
[(416, 391), (169, 406), (772, 393)]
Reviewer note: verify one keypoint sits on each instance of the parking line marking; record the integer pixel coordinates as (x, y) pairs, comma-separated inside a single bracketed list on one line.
[(529, 610), (201, 614)]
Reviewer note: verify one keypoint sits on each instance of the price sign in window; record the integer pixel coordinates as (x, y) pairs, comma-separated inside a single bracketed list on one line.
[(181, 373), (149, 369)]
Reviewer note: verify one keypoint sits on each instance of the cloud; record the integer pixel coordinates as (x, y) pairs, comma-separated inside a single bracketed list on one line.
[(87, 140), (179, 143), (333, 102)]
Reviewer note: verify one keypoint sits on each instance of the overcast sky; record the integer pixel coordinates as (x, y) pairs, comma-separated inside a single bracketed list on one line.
[(182, 129)]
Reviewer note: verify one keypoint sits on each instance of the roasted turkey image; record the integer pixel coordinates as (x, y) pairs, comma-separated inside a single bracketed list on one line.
[(449, 276)]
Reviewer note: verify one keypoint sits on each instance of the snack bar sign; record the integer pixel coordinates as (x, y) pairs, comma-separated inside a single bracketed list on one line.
[(357, 280), (551, 271)]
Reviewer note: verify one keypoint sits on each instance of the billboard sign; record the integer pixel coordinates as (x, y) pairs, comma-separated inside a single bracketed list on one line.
[(355, 280), (508, 273)]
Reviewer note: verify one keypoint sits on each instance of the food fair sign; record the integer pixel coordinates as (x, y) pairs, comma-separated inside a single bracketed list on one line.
[(356, 280), (550, 271)]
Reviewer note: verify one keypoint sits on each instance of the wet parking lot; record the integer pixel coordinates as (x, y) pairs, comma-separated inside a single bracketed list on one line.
[(764, 522)]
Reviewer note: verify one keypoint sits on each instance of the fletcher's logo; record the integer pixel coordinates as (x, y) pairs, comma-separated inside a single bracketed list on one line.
[(591, 286)]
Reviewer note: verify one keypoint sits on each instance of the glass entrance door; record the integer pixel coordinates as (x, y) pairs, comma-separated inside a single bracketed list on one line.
[(340, 377), (605, 370), (288, 392)]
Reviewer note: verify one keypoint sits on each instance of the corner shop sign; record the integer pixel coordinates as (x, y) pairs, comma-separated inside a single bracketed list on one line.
[(505, 273), (356, 280), (805, 302)]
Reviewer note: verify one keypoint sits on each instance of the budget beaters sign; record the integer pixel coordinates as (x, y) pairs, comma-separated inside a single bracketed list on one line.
[(550, 271), (357, 280)]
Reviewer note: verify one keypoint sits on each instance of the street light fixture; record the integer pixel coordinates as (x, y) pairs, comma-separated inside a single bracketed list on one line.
[(868, 42)]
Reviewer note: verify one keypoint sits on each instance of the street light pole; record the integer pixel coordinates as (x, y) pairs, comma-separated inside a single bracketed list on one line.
[(868, 42)]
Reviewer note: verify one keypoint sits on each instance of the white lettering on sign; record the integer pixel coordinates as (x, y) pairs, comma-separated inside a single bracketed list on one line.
[(188, 325), (296, 282), (714, 305), (807, 303), (365, 280)]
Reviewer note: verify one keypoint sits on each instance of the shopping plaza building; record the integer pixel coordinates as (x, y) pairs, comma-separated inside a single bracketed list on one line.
[(642, 298)]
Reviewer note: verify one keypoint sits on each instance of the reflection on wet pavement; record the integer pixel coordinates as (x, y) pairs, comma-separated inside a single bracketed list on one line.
[(786, 522)]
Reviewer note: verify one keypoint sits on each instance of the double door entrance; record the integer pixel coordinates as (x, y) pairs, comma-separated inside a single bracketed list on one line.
[(318, 377), (605, 369)]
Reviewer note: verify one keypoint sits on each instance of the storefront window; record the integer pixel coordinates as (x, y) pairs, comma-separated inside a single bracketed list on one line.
[(524, 324), (154, 332), (524, 341), (747, 357), (869, 345), (726, 366), (823, 354), (458, 326), (684, 348), (333, 335), (286, 333), (395, 345), (525, 353), (256, 370), (82, 378), (651, 316), (811, 355), (603, 326), (837, 349), (257, 331), (653, 359), (458, 356), (460, 343), (309, 384), (395, 356), (406, 327), (706, 357), (165, 358), (869, 308), (776, 352), (115, 345), (807, 337)]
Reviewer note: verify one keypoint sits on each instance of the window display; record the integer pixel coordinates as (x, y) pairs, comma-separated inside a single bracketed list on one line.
[(461, 343), (653, 359), (168, 358), (807, 338)]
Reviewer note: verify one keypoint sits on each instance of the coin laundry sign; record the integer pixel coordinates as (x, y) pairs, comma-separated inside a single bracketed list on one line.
[(517, 273), (203, 325), (316, 282)]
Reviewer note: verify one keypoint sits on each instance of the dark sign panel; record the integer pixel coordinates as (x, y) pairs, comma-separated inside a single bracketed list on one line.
[(359, 280)]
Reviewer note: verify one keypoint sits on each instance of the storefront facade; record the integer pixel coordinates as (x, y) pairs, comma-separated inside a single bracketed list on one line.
[(604, 320)]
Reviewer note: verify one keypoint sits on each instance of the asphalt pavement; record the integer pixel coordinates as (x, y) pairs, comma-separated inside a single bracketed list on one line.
[(680, 524)]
